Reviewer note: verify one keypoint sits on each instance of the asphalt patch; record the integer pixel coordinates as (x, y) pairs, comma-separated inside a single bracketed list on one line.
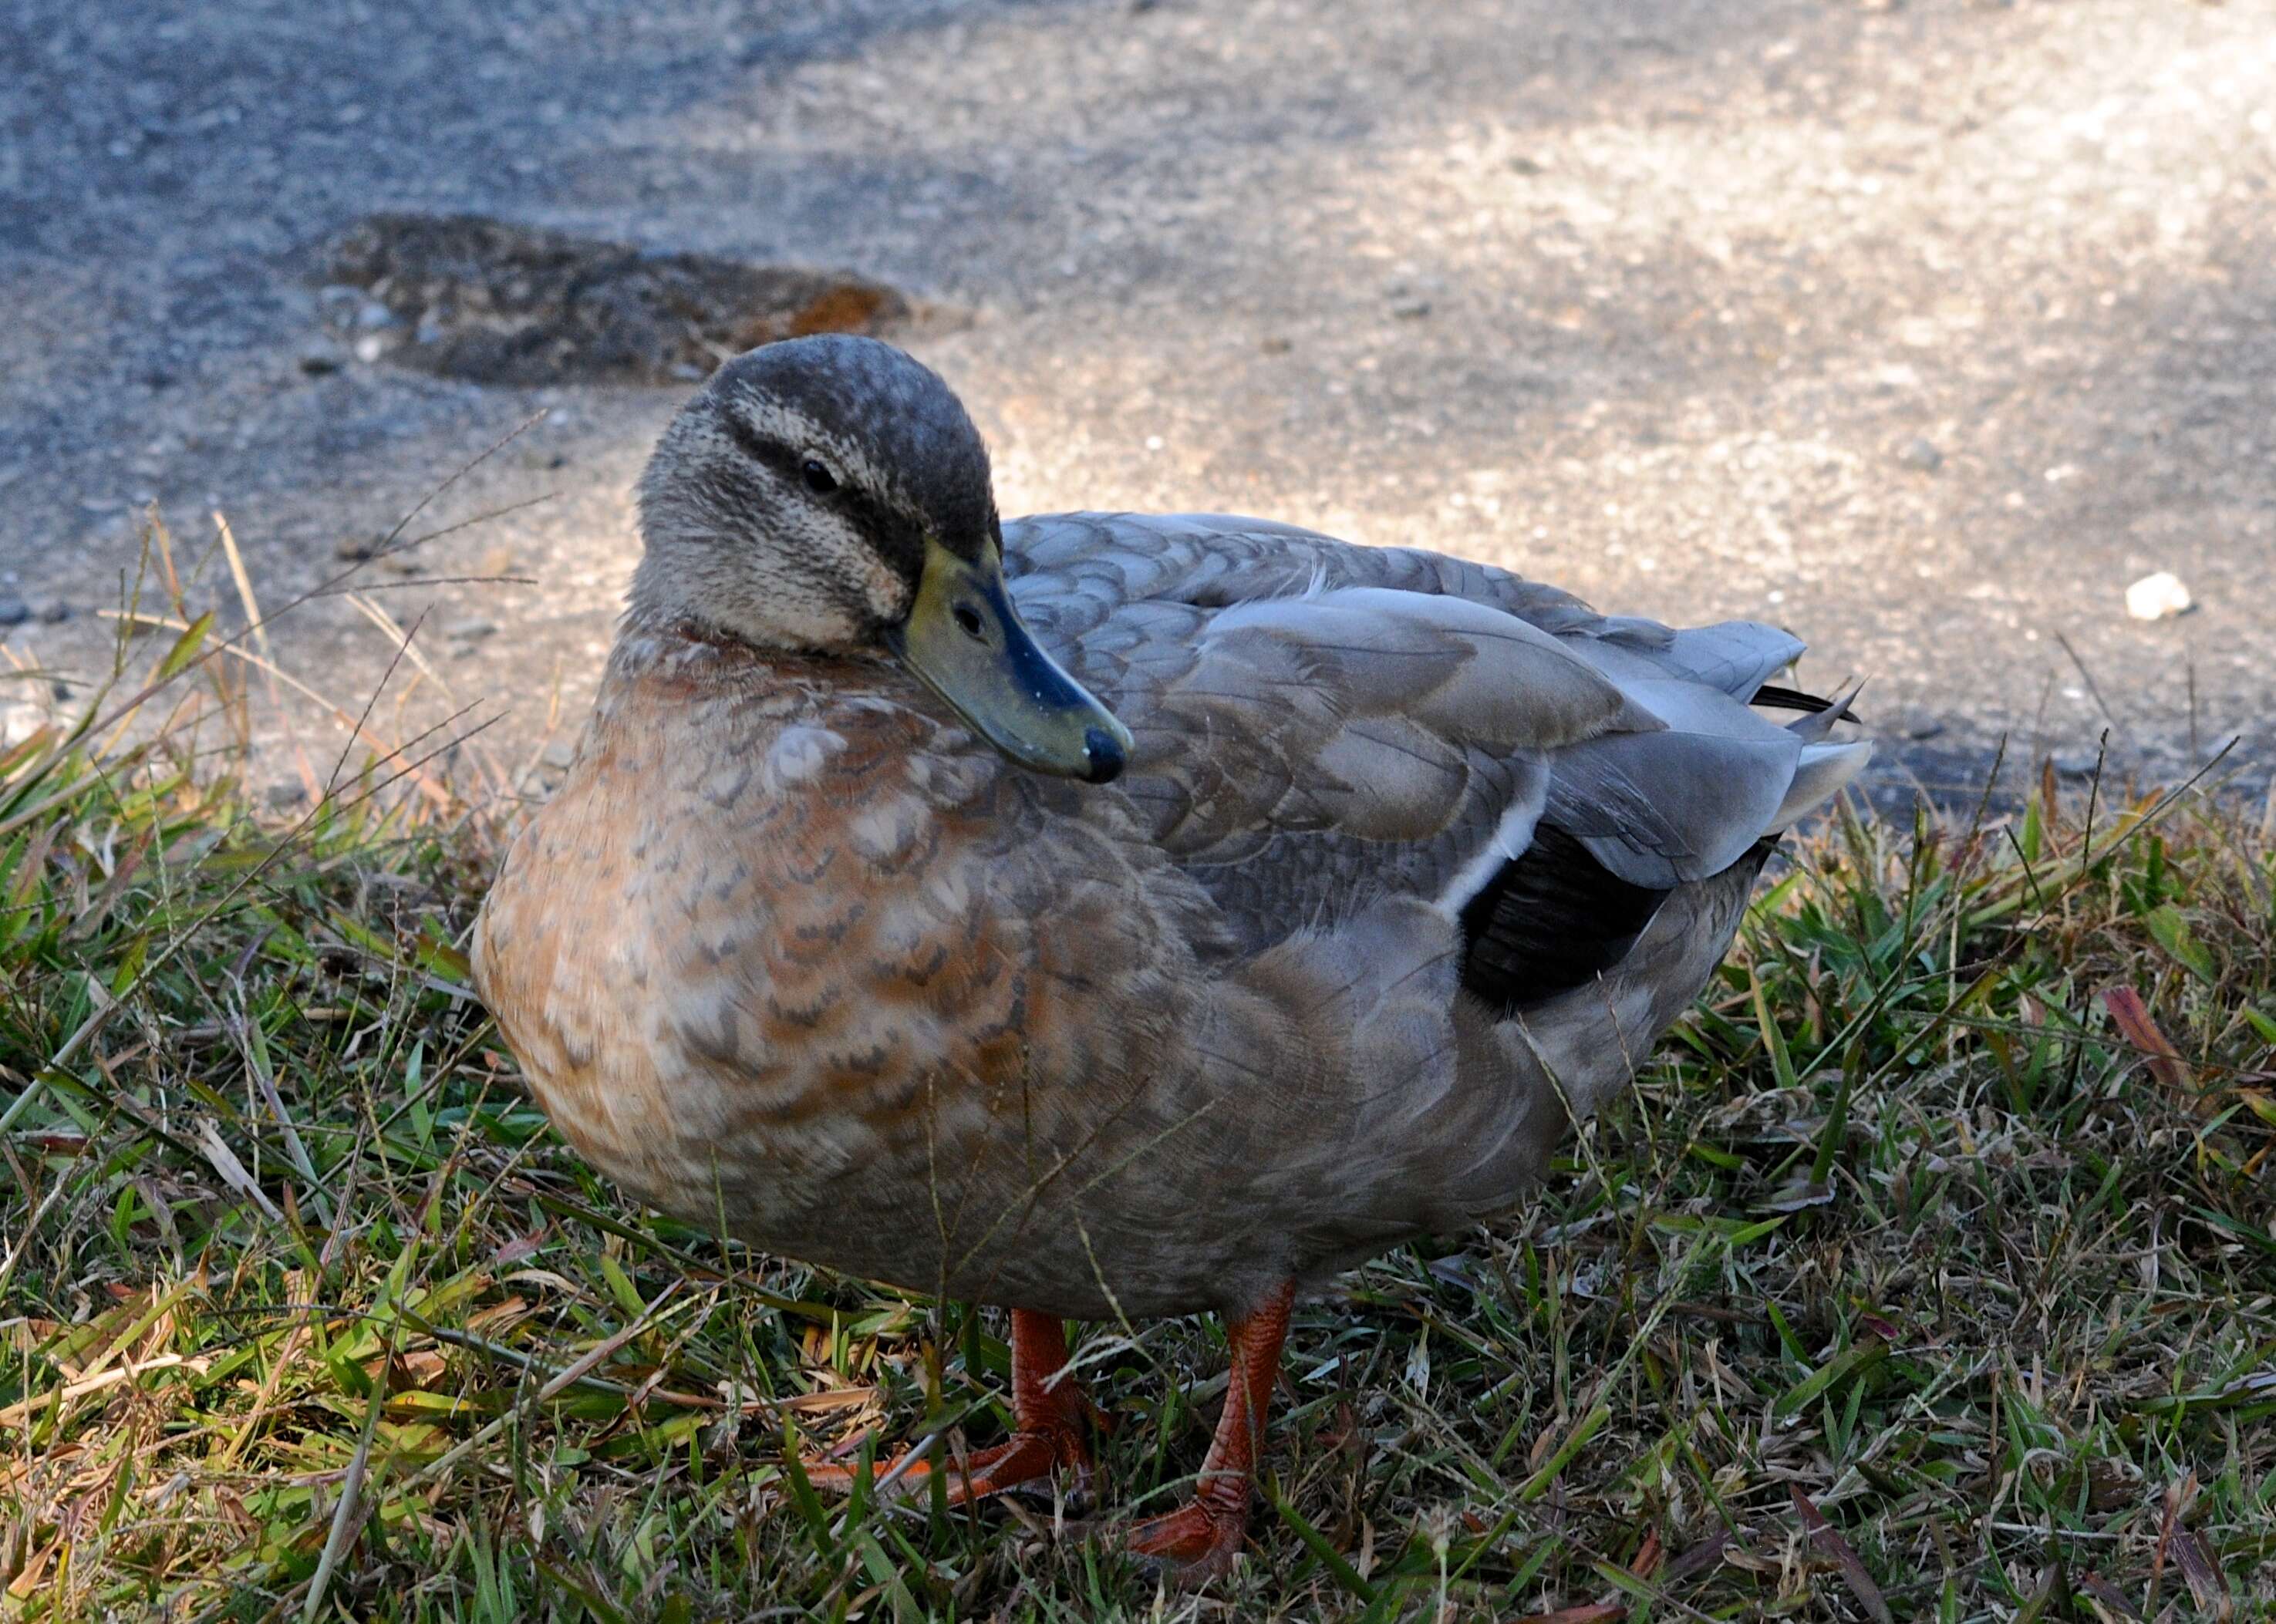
[(463, 296)]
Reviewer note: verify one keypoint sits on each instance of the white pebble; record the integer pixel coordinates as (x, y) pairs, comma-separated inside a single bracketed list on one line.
[(2158, 597)]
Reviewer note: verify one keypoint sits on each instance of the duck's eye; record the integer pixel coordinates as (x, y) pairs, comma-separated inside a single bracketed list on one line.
[(818, 477), (968, 618)]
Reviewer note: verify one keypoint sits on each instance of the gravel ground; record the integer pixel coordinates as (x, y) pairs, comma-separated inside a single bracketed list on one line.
[(1924, 329)]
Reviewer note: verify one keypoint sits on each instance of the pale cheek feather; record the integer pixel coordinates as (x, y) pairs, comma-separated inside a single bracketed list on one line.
[(888, 596), (817, 625)]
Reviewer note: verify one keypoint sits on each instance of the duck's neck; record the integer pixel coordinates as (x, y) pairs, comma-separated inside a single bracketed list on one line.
[(655, 644), (675, 586)]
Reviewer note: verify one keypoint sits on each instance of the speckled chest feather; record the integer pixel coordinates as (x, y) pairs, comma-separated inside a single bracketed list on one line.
[(794, 962)]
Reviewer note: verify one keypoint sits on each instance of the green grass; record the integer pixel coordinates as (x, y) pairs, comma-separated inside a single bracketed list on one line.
[(1902, 1285)]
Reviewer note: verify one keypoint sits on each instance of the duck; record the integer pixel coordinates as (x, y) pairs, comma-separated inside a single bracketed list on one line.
[(1107, 916)]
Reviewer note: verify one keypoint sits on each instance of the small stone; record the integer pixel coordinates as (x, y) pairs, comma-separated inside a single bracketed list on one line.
[(320, 363), (14, 611), (2159, 597), (55, 612), (1524, 165), (1411, 309), (2075, 763), (374, 316), (1919, 455), (1923, 729), (370, 347), (560, 755), (1276, 346), (468, 628), (286, 794), (356, 549)]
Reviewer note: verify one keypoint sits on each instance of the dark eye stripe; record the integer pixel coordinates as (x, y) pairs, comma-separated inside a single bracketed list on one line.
[(753, 444), (897, 540), (788, 461)]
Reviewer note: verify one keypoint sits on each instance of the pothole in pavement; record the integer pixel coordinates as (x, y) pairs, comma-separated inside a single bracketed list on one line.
[(467, 297)]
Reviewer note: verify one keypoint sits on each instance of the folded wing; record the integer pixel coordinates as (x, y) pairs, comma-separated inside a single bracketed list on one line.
[(1321, 726)]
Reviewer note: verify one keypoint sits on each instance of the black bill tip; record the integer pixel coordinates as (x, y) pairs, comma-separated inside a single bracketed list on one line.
[(1104, 756)]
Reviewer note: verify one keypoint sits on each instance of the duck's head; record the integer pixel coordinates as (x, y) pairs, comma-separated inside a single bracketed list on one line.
[(829, 496)]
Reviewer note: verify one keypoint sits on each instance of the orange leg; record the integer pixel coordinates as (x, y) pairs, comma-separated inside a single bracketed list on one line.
[(1198, 1541), (1048, 1422)]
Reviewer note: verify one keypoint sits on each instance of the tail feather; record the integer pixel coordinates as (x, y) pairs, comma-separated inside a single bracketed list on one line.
[(1823, 713), (1819, 777)]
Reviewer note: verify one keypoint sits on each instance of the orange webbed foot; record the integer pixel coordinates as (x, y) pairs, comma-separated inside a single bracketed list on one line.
[(1197, 1541)]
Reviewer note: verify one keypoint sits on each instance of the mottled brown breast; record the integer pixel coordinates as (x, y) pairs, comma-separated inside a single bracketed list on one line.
[(790, 951)]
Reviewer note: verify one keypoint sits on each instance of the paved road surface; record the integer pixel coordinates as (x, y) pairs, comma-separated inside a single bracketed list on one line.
[(1923, 329)]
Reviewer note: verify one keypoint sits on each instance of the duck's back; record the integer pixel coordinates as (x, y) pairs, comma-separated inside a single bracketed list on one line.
[(1322, 725)]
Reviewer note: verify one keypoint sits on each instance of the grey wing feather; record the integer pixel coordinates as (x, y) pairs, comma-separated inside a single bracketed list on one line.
[(1320, 726)]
